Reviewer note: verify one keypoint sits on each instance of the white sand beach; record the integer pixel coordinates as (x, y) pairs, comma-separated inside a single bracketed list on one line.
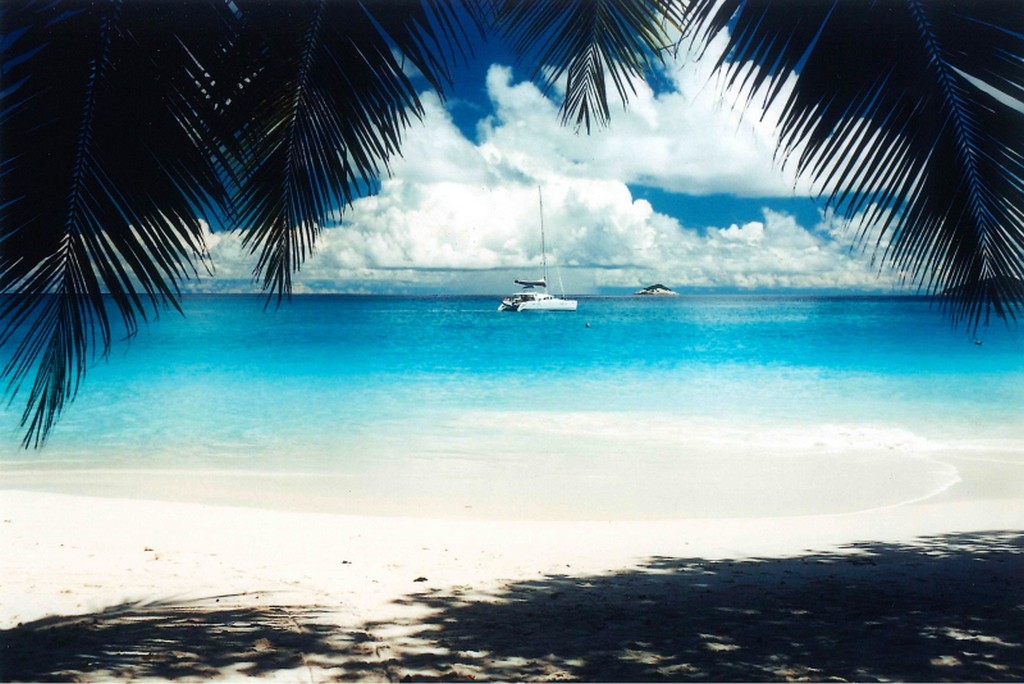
[(102, 587)]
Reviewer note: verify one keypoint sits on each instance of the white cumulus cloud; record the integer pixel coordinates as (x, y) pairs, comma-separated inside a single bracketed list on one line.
[(461, 215)]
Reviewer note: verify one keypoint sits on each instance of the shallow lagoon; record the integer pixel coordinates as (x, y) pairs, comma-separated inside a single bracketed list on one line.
[(630, 407)]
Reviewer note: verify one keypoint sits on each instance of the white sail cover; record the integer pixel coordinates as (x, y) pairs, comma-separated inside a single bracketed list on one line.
[(532, 283)]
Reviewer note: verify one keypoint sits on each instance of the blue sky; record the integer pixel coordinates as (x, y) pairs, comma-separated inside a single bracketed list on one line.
[(680, 189)]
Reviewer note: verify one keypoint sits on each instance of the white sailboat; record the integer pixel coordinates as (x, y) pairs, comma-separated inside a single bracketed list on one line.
[(534, 295)]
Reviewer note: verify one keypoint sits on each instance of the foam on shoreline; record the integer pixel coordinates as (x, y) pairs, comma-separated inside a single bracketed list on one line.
[(559, 466)]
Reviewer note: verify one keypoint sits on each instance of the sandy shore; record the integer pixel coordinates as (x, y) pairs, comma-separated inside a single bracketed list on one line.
[(101, 588)]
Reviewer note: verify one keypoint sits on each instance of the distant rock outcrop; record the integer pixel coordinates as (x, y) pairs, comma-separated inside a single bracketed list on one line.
[(656, 289)]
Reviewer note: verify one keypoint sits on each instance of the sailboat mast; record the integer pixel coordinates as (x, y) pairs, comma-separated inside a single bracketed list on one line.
[(543, 247)]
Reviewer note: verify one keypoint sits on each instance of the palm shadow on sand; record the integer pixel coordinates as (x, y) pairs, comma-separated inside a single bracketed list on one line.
[(945, 608), (182, 640), (940, 608)]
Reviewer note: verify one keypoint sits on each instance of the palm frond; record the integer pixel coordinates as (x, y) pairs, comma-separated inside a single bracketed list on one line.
[(326, 114), (103, 177), (587, 42), (901, 113), (433, 35)]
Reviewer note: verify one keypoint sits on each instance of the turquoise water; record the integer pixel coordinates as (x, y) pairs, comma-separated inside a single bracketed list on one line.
[(346, 385), (230, 376)]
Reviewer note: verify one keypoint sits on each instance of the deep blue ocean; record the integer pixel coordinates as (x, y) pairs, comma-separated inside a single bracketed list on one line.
[(339, 384)]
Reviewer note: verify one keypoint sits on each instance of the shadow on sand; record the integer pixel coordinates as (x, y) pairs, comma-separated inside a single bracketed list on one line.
[(942, 608), (193, 640)]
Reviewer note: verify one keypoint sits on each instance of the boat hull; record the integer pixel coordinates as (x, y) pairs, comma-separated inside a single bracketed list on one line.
[(546, 303), (549, 305)]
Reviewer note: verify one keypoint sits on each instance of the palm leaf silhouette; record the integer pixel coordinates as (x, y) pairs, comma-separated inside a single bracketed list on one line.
[(128, 122), (903, 113), (107, 164), (586, 43), (329, 101)]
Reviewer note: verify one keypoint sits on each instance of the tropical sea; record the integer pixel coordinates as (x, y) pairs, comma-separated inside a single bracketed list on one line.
[(631, 407)]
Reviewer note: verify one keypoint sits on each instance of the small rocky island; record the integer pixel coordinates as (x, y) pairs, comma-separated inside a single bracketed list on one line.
[(657, 289)]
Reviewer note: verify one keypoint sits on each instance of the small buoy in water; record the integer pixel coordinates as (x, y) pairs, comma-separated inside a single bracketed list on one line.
[(588, 325)]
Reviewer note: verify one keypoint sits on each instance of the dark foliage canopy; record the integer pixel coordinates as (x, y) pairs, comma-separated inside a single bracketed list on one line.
[(910, 114), (125, 125)]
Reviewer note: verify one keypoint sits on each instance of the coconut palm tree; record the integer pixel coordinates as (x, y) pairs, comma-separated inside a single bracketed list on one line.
[(126, 125)]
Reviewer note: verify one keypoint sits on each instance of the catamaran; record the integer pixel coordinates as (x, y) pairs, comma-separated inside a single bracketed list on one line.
[(531, 299)]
